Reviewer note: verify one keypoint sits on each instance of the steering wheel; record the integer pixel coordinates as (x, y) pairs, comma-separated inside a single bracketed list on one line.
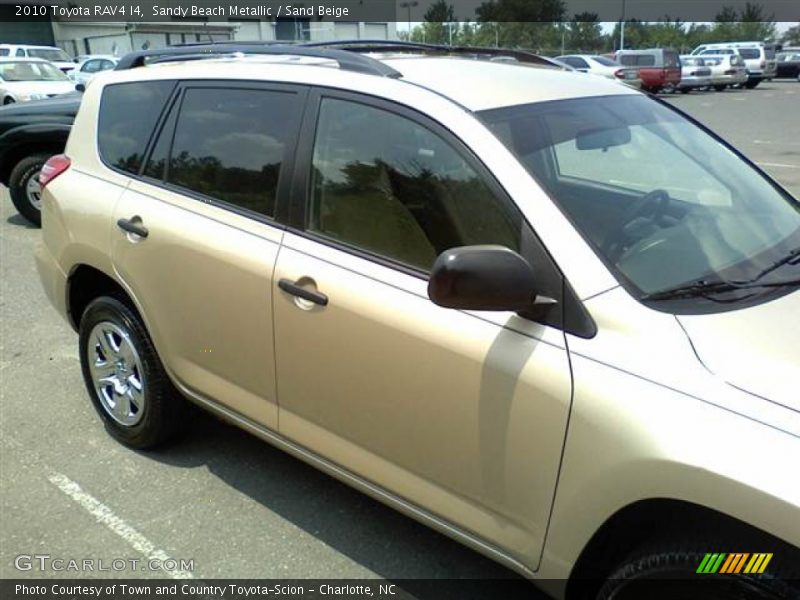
[(652, 206)]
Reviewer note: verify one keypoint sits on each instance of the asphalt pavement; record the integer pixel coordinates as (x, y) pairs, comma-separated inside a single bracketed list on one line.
[(231, 504)]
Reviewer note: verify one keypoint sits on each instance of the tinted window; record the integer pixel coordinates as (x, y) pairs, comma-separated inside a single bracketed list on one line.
[(229, 144), (646, 60), (749, 53), (575, 62), (128, 113), (4, 51), (388, 185)]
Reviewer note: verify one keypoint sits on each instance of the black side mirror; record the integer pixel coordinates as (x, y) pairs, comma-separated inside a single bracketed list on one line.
[(80, 87), (482, 278)]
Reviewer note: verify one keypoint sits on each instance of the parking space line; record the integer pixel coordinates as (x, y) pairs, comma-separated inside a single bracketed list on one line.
[(106, 516)]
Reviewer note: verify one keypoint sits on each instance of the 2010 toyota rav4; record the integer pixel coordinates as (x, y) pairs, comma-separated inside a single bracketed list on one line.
[(546, 314)]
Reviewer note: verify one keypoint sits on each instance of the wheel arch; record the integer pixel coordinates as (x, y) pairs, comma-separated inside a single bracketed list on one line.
[(25, 141), (85, 283), (645, 520)]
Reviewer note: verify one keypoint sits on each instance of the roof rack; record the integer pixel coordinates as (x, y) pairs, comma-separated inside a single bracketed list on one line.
[(347, 60), (419, 47)]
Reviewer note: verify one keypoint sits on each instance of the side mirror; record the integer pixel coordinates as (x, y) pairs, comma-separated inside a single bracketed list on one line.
[(80, 87), (482, 278)]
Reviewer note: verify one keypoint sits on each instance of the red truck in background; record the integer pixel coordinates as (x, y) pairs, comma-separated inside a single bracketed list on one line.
[(659, 68)]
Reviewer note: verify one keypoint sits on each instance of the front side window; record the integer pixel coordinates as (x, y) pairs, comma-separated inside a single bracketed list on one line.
[(229, 144), (128, 113), (663, 203), (383, 183)]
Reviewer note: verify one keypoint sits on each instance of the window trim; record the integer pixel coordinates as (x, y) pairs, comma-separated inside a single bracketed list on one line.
[(175, 103), (572, 318)]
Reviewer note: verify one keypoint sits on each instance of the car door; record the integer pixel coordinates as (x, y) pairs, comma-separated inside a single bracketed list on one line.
[(460, 414), (206, 199)]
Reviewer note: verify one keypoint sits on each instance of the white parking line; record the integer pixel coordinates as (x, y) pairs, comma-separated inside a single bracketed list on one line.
[(777, 165), (768, 143), (106, 516)]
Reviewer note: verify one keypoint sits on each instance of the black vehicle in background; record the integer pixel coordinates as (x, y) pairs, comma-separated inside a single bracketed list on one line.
[(788, 65), (30, 133)]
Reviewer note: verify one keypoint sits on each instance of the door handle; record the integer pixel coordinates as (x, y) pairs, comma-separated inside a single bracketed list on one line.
[(133, 225), (292, 288)]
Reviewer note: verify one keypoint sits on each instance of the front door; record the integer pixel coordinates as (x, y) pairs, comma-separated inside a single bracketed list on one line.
[(461, 413)]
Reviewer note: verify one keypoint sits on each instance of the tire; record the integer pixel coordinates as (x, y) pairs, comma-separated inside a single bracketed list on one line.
[(134, 397), (720, 88), (672, 573), (752, 83), (24, 188), (685, 90)]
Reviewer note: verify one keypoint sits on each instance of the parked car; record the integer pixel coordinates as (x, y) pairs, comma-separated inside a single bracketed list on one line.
[(694, 74), (759, 58), (658, 68), (30, 133), (727, 70), (24, 79), (91, 66), (49, 53), (788, 65), (569, 311), (603, 66)]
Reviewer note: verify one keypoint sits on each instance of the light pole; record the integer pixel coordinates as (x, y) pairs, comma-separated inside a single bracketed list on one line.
[(622, 28), (408, 5)]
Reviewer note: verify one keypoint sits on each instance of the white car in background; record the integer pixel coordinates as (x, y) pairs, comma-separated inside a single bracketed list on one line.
[(759, 58), (23, 79), (89, 66), (603, 66), (726, 70), (55, 55)]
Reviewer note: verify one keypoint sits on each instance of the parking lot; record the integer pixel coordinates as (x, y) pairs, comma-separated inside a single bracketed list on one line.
[(234, 506)]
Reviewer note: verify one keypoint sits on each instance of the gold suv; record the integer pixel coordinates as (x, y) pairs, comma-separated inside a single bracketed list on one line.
[(544, 313)]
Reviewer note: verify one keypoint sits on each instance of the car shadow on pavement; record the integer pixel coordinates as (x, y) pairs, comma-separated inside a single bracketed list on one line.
[(376, 537), (20, 221)]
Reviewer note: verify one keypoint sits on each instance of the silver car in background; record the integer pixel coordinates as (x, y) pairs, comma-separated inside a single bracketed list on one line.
[(726, 70), (694, 74)]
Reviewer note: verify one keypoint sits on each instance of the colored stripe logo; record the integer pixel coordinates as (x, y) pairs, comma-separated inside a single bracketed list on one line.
[(736, 562)]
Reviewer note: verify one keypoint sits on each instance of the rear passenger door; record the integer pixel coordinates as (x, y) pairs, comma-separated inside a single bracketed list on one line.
[(206, 199)]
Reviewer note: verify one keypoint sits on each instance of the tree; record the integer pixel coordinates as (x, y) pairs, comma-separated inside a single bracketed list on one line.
[(585, 33), (791, 37), (440, 26)]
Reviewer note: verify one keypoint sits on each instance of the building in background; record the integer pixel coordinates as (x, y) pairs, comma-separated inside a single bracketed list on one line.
[(121, 37)]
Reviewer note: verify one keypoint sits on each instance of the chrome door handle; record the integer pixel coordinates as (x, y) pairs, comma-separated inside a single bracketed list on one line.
[(290, 287), (133, 225)]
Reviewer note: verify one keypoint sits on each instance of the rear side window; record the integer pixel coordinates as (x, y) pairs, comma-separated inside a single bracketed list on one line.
[(128, 113), (229, 144), (749, 53), (4, 52)]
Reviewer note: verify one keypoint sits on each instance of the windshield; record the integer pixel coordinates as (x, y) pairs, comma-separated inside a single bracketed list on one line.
[(49, 54), (606, 62), (663, 203), (30, 71)]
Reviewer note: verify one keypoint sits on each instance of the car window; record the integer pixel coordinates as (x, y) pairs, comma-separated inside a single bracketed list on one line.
[(105, 65), (388, 185), (91, 66), (606, 62), (575, 62), (229, 144), (30, 71), (749, 53), (4, 51), (128, 113), (20, 52)]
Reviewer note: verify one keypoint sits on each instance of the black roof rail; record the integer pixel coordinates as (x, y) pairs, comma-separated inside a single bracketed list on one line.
[(347, 60), (523, 56)]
